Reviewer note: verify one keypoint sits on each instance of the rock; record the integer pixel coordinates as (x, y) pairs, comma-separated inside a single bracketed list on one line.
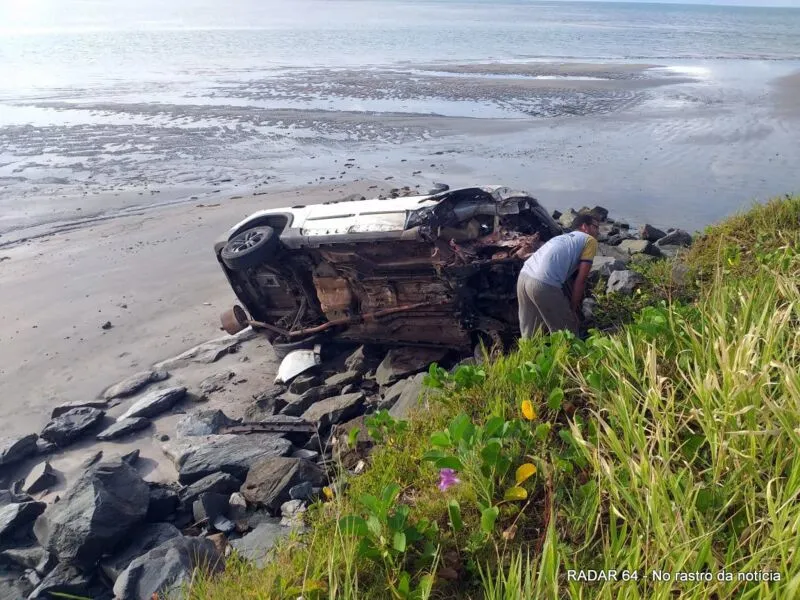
[(639, 247), (162, 502), (305, 454), (106, 325), (588, 306), (134, 383), (42, 477), (335, 410), (349, 388), (671, 251), (65, 579), (16, 449), (131, 458), (166, 568), (342, 379), (147, 537), (605, 265), (438, 188), (204, 422), (32, 557), (256, 545), (301, 491), (409, 399), (297, 406), (402, 362), (357, 361), (266, 404), (91, 460), (624, 282), (556, 215), (269, 481), (644, 258), (650, 233), (392, 393), (45, 447), (123, 428), (200, 456), (154, 403), (220, 483), (99, 510), (13, 586), (15, 516), (220, 541), (615, 239), (679, 237), (212, 508), (304, 382), (68, 406), (237, 507), (566, 219), (291, 513), (216, 382), (208, 352), (67, 428)]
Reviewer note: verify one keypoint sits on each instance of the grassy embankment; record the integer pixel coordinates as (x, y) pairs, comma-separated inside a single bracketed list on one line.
[(669, 446)]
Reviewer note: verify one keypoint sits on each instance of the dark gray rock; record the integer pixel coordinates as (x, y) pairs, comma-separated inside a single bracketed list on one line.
[(588, 307), (615, 239), (650, 233), (67, 428), (216, 382), (301, 491), (204, 422), (269, 480), (147, 537), (207, 352), (45, 447), (30, 557), (357, 361), (624, 282), (16, 516), (13, 585), (237, 508), (90, 460), (297, 406), (305, 454), (16, 449), (438, 188), (679, 237), (197, 457), (266, 404), (42, 477), (409, 398), (123, 428), (342, 379), (257, 544), (213, 508), (66, 579), (131, 458), (671, 251), (134, 384), (221, 483), (304, 382), (639, 247), (399, 363), (392, 393), (162, 502), (335, 410), (68, 406), (99, 510), (605, 265), (154, 403), (165, 568)]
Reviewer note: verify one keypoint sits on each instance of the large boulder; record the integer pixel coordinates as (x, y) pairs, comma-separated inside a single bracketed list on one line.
[(163, 501), (678, 237), (16, 516), (256, 545), (197, 457), (220, 483), (342, 379), (68, 406), (68, 581), (147, 537), (624, 282), (74, 423), (165, 568), (122, 428), (154, 403), (204, 422), (335, 410), (639, 247), (99, 510), (134, 383), (605, 265), (269, 480), (399, 363), (650, 233), (16, 449), (409, 398)]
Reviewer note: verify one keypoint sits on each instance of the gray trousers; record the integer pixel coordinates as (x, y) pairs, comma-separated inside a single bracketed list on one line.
[(543, 306)]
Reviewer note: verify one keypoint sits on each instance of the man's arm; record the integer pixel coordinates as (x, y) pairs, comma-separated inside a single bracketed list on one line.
[(580, 284)]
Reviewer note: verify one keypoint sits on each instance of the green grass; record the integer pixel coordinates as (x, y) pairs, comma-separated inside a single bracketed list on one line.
[(675, 449)]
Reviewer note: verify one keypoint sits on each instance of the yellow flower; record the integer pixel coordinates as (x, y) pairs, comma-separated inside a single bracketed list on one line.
[(527, 410), (525, 471)]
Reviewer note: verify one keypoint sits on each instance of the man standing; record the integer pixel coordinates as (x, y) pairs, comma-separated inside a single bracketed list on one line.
[(542, 303)]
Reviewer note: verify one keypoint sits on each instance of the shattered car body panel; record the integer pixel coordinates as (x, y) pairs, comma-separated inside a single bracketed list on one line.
[(434, 270)]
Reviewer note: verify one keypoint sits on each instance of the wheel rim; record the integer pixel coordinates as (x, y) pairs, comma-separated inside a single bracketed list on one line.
[(250, 239)]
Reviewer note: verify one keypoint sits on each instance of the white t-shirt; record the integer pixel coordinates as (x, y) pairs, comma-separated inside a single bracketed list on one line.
[(554, 262)]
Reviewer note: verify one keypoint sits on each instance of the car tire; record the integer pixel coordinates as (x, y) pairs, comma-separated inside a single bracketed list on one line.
[(281, 349), (249, 248)]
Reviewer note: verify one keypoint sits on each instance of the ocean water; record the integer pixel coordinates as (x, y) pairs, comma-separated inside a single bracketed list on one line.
[(99, 96)]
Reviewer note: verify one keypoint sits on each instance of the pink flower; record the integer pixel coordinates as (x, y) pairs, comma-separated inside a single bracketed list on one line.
[(447, 479)]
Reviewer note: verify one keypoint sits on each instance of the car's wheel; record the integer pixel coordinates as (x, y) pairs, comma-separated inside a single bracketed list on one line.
[(281, 349), (249, 248)]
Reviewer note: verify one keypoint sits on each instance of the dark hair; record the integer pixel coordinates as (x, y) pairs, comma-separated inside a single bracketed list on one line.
[(584, 219)]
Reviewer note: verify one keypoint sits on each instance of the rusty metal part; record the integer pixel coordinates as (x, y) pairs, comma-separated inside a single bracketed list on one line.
[(234, 320)]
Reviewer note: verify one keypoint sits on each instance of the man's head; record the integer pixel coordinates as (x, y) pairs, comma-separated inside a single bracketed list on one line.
[(587, 224)]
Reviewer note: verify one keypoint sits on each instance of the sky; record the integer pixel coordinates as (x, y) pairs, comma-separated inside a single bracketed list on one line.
[(788, 3)]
